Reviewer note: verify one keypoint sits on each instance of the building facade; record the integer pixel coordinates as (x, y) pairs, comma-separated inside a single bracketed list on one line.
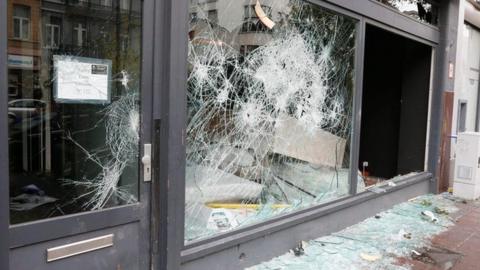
[(464, 106), (216, 134)]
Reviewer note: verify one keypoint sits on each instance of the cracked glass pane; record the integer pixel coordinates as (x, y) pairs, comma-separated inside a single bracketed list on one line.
[(270, 99), (422, 10), (73, 110)]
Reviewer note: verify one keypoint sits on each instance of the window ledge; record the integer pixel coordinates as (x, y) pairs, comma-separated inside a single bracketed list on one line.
[(203, 248)]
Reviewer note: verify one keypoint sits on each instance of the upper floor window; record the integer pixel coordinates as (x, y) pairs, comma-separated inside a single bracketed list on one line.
[(52, 33), (79, 34), (21, 22), (251, 21)]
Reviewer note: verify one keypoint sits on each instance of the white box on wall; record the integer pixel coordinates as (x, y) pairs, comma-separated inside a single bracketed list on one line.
[(466, 182)]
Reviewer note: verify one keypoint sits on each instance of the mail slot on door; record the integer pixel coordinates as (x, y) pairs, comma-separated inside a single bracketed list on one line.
[(76, 248)]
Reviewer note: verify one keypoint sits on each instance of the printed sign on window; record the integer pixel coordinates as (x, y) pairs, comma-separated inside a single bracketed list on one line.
[(81, 79)]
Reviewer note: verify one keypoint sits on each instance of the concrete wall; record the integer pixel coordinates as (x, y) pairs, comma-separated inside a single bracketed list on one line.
[(467, 73)]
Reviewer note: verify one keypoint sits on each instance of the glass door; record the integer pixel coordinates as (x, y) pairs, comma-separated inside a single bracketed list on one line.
[(75, 119)]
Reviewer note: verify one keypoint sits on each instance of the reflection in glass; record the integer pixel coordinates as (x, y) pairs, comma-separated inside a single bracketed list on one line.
[(270, 88), (21, 22), (73, 110), (423, 10)]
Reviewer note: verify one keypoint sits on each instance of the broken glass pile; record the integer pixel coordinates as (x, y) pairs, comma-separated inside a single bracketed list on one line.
[(269, 111), (377, 242)]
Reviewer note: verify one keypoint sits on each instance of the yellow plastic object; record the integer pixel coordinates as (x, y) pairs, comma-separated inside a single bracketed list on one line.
[(450, 190), (244, 206)]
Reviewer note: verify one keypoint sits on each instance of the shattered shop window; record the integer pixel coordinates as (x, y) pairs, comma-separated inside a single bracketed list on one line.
[(422, 10), (73, 112), (269, 112)]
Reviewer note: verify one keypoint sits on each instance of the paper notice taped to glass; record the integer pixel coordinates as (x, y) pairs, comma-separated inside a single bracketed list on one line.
[(82, 80)]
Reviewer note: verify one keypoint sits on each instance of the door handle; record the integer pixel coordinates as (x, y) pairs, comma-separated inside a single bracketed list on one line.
[(147, 162)]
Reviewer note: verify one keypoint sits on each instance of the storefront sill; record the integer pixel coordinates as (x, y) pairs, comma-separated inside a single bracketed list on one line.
[(204, 248)]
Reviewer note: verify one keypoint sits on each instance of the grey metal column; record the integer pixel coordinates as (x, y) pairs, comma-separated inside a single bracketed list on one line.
[(445, 54), (4, 178), (170, 73), (357, 112), (145, 188)]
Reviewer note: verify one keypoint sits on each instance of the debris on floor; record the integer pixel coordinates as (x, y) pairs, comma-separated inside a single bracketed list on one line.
[(429, 216), (437, 256), (299, 250), (378, 242)]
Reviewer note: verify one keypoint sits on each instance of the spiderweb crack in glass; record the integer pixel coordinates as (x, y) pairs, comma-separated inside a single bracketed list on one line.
[(73, 109), (121, 120), (255, 118)]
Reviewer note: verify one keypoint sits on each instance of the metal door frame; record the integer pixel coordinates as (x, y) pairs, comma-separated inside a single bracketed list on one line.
[(4, 180), (14, 236), (169, 114)]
